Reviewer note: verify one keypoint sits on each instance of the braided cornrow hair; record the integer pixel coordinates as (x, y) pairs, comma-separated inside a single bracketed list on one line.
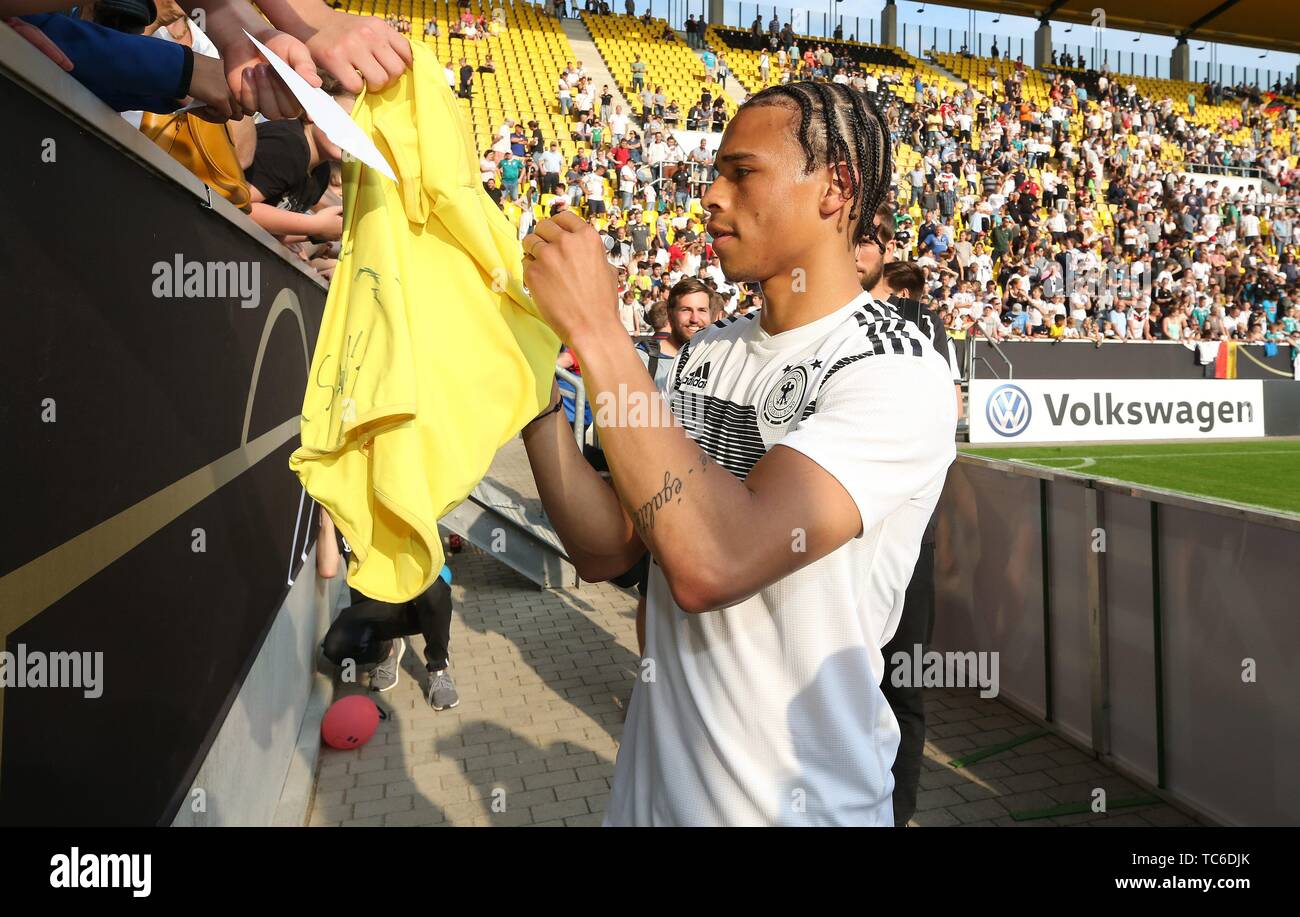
[(839, 124)]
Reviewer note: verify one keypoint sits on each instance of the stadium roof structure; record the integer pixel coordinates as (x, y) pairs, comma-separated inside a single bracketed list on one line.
[(1265, 24)]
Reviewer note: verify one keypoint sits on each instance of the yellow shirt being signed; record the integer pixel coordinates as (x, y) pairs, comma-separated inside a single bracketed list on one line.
[(431, 355)]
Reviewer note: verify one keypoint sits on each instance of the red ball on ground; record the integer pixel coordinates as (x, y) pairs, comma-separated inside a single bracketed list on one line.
[(350, 722)]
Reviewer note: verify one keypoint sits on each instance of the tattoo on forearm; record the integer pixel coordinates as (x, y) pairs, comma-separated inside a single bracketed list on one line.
[(645, 516)]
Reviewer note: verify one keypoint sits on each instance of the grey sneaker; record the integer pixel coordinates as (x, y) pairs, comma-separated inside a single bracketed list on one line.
[(384, 676), (442, 691)]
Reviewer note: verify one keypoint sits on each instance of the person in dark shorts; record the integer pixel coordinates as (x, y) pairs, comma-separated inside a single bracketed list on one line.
[(370, 632), (902, 284)]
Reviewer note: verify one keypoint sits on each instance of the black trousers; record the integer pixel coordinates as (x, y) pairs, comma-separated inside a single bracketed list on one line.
[(362, 632), (915, 626)]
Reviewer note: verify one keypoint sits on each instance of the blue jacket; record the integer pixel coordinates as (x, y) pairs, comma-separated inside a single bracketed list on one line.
[(127, 72)]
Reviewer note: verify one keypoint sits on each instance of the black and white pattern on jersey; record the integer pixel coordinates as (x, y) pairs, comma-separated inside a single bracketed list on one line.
[(727, 432), (685, 352), (886, 333)]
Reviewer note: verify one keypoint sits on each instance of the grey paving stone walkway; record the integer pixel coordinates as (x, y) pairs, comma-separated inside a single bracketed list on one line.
[(545, 679)]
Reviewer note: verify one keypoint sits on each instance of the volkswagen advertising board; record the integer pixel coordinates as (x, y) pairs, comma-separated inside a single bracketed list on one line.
[(1071, 410)]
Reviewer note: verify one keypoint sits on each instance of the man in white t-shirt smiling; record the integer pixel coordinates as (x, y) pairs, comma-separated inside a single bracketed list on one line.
[(810, 447)]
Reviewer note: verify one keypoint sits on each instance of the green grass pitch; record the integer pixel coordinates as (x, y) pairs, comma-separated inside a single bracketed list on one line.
[(1263, 473)]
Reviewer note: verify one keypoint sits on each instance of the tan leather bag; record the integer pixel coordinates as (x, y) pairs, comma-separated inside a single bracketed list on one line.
[(206, 149)]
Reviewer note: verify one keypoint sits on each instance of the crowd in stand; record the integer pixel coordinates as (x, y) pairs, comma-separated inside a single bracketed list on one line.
[(1010, 197), (629, 164), (1084, 217), (1092, 214)]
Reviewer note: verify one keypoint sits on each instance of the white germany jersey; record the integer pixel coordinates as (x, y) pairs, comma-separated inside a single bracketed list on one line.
[(769, 712)]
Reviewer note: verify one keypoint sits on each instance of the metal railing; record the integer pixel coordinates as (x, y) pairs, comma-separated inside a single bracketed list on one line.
[(1206, 168), (976, 330), (701, 178), (579, 402)]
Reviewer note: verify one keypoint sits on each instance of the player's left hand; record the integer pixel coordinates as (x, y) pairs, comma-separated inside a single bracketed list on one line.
[(572, 282)]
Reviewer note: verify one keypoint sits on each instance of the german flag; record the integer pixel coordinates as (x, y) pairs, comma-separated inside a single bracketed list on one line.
[(1225, 363)]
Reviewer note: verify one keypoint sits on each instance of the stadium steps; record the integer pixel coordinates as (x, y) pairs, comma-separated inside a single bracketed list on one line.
[(732, 86), (504, 518), (584, 46), (944, 71), (670, 64)]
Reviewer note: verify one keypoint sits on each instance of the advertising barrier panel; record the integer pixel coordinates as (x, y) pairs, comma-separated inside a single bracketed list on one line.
[(1070, 410)]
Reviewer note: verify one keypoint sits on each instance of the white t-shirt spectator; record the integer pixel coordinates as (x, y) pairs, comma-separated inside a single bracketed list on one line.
[(594, 186), (627, 313), (776, 699), (715, 273)]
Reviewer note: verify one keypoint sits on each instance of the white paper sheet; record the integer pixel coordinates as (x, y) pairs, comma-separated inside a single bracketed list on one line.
[(327, 115)]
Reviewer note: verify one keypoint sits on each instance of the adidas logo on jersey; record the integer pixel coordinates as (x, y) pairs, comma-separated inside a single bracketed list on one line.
[(697, 377)]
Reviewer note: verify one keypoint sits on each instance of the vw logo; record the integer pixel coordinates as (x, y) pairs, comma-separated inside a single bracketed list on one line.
[(1008, 410)]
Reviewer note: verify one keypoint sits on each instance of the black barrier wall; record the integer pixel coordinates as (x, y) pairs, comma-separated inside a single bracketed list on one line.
[(1154, 629), (152, 517), (1281, 409), (1115, 360)]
